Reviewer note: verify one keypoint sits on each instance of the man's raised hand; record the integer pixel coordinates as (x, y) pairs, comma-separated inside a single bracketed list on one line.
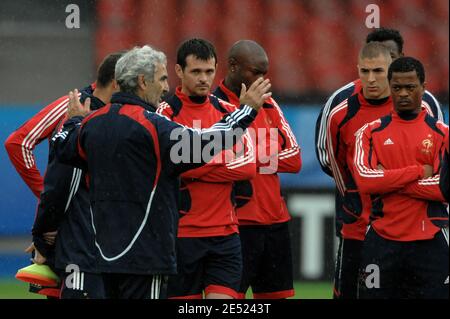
[(75, 106), (256, 94)]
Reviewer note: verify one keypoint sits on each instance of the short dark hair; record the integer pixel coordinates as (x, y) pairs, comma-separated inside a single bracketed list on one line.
[(407, 64), (385, 34), (372, 50), (106, 69), (200, 48)]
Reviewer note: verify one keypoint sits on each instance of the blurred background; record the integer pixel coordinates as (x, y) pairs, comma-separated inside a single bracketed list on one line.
[(312, 47)]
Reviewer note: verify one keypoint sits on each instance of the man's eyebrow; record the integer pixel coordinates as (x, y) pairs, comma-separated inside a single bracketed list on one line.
[(258, 70), (202, 70)]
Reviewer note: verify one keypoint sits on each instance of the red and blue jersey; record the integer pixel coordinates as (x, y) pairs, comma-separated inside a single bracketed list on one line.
[(259, 200), (388, 165), (207, 201), (324, 138)]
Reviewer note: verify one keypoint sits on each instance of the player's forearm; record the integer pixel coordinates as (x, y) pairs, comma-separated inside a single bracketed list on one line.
[(372, 181), (426, 189), (370, 175), (289, 161), (198, 173), (34, 180), (24, 163), (217, 138), (30, 174), (226, 174)]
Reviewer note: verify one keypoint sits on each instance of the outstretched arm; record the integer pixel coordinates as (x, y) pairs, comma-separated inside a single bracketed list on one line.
[(186, 145)]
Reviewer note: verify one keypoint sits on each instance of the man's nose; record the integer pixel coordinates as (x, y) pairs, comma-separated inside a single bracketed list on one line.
[(203, 77), (403, 92)]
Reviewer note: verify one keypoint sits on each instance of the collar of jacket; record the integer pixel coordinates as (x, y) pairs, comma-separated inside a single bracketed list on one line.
[(192, 100), (88, 91), (232, 97), (374, 103), (132, 99)]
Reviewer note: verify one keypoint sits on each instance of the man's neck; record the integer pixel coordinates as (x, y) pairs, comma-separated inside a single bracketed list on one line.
[(185, 91), (408, 115), (235, 89), (378, 101), (103, 94), (382, 96), (197, 99)]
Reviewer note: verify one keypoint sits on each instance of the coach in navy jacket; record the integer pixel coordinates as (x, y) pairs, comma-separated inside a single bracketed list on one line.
[(127, 150)]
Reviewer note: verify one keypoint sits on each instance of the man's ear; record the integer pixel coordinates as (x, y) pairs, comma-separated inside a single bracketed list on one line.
[(141, 82), (179, 71), (232, 63), (115, 86)]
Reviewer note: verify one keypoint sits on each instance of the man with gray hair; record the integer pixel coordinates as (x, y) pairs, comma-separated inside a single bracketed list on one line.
[(126, 149)]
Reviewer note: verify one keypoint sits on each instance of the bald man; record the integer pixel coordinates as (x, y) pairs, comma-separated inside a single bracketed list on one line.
[(262, 213)]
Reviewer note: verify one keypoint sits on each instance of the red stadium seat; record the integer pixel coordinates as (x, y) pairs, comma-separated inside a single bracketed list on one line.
[(312, 45)]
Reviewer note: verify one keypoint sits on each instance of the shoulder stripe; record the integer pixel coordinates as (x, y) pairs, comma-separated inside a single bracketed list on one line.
[(330, 149), (359, 155), (437, 105), (321, 140), (30, 140), (285, 125)]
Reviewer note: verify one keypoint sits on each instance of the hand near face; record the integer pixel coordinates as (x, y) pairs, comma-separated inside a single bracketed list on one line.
[(256, 94), (75, 106)]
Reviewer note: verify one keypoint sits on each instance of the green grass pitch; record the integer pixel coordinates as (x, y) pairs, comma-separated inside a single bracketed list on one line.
[(13, 289)]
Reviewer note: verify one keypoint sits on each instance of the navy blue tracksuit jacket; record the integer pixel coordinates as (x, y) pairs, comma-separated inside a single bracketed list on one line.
[(64, 206), (129, 153)]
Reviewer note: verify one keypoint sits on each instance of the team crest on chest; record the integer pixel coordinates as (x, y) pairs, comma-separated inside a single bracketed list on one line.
[(427, 144)]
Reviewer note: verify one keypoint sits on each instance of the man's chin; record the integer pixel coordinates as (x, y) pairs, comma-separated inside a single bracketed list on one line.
[(373, 95), (408, 109), (202, 92)]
